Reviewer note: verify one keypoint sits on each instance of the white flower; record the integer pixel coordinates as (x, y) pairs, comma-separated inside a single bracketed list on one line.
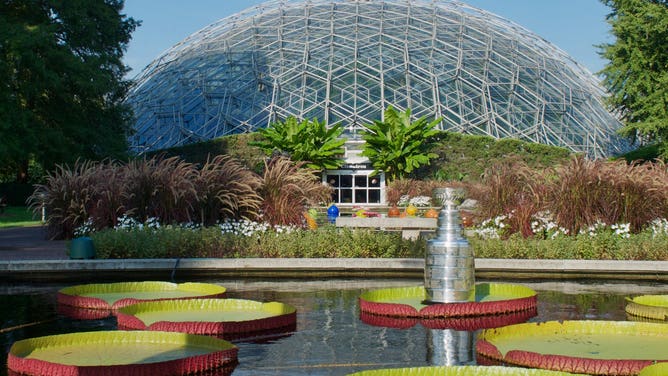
[(659, 226), (85, 229), (420, 201), (403, 200)]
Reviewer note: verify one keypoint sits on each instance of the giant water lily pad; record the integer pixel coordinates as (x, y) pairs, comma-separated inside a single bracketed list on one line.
[(591, 347), (108, 296), (467, 323), (229, 318), (461, 371), (649, 306), (658, 369), (490, 298), (120, 353)]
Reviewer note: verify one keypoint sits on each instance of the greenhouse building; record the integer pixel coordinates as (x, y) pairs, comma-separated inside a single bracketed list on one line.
[(345, 61)]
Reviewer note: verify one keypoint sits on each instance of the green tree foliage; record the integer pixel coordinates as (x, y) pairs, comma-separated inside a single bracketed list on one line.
[(637, 72), (398, 146), (62, 81), (307, 141)]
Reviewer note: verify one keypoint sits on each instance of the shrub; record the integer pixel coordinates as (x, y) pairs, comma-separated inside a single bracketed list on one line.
[(326, 241), (329, 241), (466, 157), (605, 246)]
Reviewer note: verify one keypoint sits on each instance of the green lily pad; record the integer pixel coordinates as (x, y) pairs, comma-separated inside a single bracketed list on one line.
[(649, 306), (461, 371), (120, 352), (490, 298), (207, 316), (600, 347), (658, 369), (115, 295)]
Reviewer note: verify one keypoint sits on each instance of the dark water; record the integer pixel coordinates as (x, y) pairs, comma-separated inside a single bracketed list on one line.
[(330, 339)]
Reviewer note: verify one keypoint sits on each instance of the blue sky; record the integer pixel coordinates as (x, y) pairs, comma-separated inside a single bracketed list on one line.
[(575, 26)]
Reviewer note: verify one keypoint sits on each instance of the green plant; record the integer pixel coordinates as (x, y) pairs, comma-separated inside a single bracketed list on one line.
[(329, 241), (398, 146), (643, 246), (308, 141), (288, 190), (326, 241)]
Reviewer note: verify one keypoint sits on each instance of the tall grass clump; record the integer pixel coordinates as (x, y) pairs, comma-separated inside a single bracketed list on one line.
[(90, 196), (68, 196), (513, 190), (161, 188), (288, 189), (578, 196), (585, 192), (226, 188)]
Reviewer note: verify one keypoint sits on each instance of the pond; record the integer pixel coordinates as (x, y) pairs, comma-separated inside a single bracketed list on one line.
[(330, 339)]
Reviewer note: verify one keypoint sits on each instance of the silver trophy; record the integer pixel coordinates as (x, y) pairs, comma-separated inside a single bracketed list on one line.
[(449, 273)]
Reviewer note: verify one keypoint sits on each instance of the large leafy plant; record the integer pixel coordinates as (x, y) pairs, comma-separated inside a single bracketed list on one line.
[(308, 141), (398, 145)]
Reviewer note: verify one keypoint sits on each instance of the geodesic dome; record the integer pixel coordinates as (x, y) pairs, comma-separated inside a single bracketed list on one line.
[(347, 60)]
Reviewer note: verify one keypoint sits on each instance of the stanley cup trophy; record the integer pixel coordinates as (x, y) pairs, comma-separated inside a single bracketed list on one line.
[(449, 273)]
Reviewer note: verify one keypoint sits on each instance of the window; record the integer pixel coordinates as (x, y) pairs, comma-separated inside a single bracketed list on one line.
[(356, 187)]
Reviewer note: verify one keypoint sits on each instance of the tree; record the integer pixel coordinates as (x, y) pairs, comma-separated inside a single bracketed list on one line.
[(307, 141), (398, 146), (637, 72), (61, 96)]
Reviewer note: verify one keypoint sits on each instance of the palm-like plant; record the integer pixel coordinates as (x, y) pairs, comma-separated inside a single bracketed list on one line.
[(307, 141), (397, 145)]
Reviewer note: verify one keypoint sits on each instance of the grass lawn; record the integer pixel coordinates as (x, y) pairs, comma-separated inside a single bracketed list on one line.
[(18, 216)]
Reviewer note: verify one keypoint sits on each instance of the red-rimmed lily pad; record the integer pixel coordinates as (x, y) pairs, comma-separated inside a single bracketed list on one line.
[(226, 318), (649, 306), (120, 353), (461, 371), (658, 369), (109, 296), (469, 323), (490, 299), (590, 347)]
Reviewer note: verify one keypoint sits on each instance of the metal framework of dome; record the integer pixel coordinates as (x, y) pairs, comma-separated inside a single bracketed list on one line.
[(347, 60)]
